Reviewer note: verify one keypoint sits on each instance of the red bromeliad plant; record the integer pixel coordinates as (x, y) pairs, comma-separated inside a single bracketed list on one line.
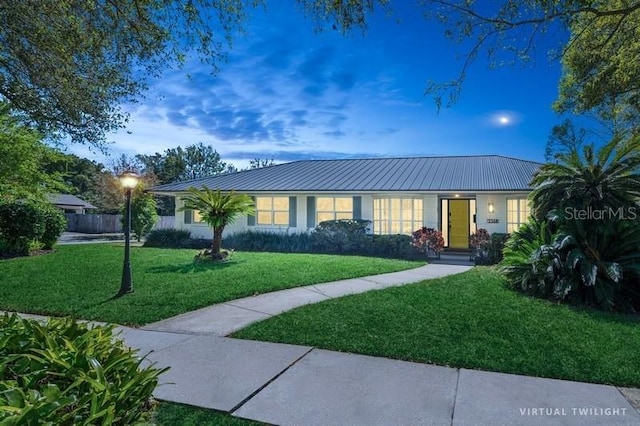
[(428, 240), (480, 239)]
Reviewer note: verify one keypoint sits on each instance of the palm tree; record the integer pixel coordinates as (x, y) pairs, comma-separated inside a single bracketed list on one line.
[(606, 179), (218, 210)]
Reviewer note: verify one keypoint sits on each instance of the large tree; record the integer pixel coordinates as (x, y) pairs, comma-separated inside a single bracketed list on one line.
[(69, 65), (23, 156), (599, 49), (179, 164)]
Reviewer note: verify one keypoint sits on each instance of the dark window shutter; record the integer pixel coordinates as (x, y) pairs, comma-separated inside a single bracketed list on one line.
[(188, 215), (293, 212), (311, 212), (251, 219), (357, 207)]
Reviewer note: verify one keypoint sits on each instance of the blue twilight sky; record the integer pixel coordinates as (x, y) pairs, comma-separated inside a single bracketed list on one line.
[(288, 93)]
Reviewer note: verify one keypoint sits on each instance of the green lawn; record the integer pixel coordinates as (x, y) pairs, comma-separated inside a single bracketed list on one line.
[(82, 279), (469, 320), (169, 414)]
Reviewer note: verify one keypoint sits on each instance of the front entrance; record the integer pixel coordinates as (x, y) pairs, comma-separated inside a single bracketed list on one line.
[(459, 224), (457, 221)]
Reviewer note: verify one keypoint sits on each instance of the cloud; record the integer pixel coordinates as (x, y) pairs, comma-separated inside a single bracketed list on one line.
[(335, 134), (286, 156)]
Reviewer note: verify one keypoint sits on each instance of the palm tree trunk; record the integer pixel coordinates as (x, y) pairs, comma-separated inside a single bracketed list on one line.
[(217, 241)]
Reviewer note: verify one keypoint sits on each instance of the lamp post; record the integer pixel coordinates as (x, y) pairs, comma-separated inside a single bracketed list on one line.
[(128, 180)]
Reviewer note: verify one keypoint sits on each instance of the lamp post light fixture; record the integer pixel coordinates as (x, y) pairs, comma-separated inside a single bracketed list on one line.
[(128, 180)]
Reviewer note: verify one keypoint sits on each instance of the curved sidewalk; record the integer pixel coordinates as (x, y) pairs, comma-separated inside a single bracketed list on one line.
[(225, 318), (300, 385)]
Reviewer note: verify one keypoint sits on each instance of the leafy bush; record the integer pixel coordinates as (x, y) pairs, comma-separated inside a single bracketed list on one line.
[(66, 373), (487, 248), (579, 262), (269, 241), (396, 246), (143, 214), (54, 225), (428, 241), (21, 222), (340, 236), (496, 247), (167, 238), (601, 262), (530, 262)]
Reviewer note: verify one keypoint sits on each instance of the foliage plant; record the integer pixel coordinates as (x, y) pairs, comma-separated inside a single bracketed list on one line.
[(340, 236), (21, 222), (55, 223), (68, 373), (487, 248), (585, 179), (144, 213), (582, 245), (251, 240), (479, 241), (218, 210), (167, 238), (530, 262), (428, 241)]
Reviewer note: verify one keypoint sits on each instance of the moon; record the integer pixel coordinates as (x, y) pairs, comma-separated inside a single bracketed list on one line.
[(503, 119)]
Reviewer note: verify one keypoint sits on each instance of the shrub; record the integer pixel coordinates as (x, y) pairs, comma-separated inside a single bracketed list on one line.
[(269, 241), (530, 262), (428, 241), (479, 242), (143, 215), (341, 236), (597, 266), (21, 222), (395, 246), (168, 238), (54, 225), (487, 248), (67, 373)]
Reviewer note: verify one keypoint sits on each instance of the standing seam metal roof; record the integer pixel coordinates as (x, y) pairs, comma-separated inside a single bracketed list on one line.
[(464, 173)]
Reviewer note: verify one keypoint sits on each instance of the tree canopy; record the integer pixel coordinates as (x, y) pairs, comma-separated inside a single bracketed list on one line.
[(69, 66), (23, 156), (599, 52), (179, 164)]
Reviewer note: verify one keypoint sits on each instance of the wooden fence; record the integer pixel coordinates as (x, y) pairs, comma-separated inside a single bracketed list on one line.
[(107, 223)]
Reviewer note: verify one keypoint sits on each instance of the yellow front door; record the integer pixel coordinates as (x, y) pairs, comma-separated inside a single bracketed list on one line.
[(459, 224)]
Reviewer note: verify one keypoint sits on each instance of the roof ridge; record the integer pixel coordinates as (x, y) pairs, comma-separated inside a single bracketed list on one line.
[(404, 158)]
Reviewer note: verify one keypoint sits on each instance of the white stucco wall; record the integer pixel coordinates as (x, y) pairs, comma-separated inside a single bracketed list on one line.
[(431, 212), (500, 210)]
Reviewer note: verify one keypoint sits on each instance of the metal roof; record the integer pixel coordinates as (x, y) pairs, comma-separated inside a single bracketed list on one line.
[(68, 200), (464, 173)]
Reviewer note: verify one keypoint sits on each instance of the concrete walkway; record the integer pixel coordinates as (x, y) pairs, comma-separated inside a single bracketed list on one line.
[(225, 318), (299, 385)]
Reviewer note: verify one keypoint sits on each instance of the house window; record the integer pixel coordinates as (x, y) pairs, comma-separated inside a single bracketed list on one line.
[(401, 215), (518, 212), (197, 217), (272, 211), (333, 208)]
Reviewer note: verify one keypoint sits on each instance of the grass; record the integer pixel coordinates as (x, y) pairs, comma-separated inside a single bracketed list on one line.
[(471, 320), (168, 414), (81, 280)]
